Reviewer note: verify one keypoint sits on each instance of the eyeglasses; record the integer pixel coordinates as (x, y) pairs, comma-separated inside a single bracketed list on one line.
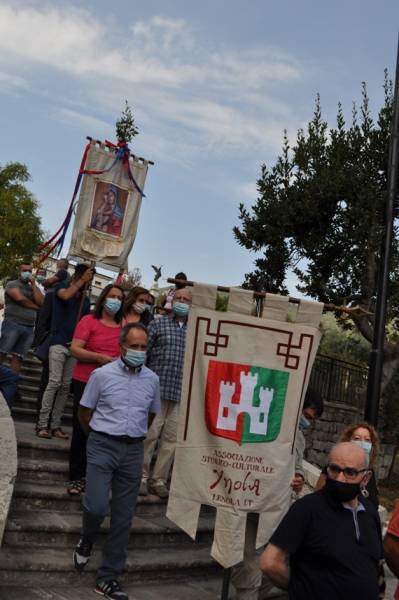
[(350, 473)]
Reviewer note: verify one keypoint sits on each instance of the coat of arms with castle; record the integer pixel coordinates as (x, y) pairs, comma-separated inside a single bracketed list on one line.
[(245, 403)]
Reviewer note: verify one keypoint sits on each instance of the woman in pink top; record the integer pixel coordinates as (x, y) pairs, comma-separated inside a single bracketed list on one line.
[(95, 343)]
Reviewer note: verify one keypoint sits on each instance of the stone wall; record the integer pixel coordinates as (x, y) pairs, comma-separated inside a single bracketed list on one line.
[(327, 430), (8, 462)]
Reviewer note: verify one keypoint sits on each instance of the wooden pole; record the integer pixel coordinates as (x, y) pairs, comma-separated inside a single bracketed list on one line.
[(358, 310), (90, 139), (225, 584)]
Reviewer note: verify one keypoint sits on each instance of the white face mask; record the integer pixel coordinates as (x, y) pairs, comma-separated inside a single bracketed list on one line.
[(139, 308), (367, 446), (181, 309)]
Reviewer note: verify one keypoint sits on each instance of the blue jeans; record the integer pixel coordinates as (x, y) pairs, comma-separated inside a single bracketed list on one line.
[(112, 466), (8, 384), (15, 338)]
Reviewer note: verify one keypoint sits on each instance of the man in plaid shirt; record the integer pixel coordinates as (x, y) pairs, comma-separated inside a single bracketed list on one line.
[(165, 356)]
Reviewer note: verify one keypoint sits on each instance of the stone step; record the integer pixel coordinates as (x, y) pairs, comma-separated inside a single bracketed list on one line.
[(28, 394), (33, 495), (29, 382), (31, 446), (29, 362), (22, 401), (44, 450), (33, 370), (30, 389), (43, 528), (29, 415), (39, 470), (53, 566), (208, 588), (29, 403)]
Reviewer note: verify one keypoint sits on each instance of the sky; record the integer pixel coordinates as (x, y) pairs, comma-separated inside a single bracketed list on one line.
[(213, 84)]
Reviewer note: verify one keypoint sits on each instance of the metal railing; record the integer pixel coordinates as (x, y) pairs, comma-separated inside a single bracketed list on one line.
[(339, 381)]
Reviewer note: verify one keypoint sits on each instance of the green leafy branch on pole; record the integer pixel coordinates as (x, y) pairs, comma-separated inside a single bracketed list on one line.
[(126, 128)]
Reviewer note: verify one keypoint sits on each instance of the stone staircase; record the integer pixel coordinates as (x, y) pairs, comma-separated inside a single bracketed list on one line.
[(44, 524)]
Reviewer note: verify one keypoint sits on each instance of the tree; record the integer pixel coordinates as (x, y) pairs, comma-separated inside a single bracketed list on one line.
[(126, 128), (20, 225), (320, 213), (345, 344), (131, 279)]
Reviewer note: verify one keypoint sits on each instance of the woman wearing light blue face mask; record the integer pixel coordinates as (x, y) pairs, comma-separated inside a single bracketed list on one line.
[(95, 343), (364, 435)]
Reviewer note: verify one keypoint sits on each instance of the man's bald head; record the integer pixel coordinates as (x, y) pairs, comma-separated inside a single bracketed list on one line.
[(348, 454), (183, 295)]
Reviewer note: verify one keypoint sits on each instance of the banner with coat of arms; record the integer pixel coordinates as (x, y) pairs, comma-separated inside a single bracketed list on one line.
[(244, 383)]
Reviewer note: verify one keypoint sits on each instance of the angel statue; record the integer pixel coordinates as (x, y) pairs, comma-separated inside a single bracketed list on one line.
[(158, 272)]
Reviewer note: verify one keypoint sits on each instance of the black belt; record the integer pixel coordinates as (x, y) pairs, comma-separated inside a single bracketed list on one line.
[(124, 439)]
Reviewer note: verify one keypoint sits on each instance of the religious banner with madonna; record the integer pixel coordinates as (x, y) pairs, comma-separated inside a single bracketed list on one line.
[(109, 205), (244, 383)]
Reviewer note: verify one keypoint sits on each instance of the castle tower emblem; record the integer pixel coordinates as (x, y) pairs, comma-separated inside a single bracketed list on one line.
[(229, 411), (245, 403)]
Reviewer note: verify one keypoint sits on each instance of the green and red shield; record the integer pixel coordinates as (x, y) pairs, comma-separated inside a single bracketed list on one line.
[(245, 403)]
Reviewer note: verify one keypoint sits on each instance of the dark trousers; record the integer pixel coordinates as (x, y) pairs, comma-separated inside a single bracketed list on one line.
[(112, 467), (8, 384), (77, 452)]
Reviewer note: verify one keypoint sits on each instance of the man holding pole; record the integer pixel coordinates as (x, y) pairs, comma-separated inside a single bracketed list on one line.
[(69, 305)]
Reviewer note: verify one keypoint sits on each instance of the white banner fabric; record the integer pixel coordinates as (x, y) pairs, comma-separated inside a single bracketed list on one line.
[(108, 210), (244, 383)]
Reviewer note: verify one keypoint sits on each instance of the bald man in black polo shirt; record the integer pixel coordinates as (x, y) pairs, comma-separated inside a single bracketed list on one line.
[(328, 545)]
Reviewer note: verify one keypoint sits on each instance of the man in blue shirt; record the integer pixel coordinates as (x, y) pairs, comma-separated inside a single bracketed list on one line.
[(115, 408)]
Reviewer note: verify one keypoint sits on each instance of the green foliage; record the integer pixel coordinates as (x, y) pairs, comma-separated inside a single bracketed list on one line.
[(126, 128), (222, 301), (320, 210), (343, 344), (132, 279), (320, 213), (20, 226)]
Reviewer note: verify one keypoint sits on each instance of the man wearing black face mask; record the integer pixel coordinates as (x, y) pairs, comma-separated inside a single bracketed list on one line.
[(328, 545)]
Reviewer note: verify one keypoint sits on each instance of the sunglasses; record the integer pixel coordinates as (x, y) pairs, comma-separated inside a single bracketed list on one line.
[(349, 472)]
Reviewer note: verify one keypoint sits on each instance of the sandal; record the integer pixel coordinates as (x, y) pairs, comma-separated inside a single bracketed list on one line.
[(59, 433), (77, 487), (43, 433)]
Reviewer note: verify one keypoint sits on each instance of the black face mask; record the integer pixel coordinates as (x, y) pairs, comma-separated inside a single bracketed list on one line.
[(340, 491)]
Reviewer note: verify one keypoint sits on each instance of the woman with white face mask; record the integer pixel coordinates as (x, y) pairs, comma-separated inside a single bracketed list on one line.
[(365, 436), (95, 343), (137, 308)]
